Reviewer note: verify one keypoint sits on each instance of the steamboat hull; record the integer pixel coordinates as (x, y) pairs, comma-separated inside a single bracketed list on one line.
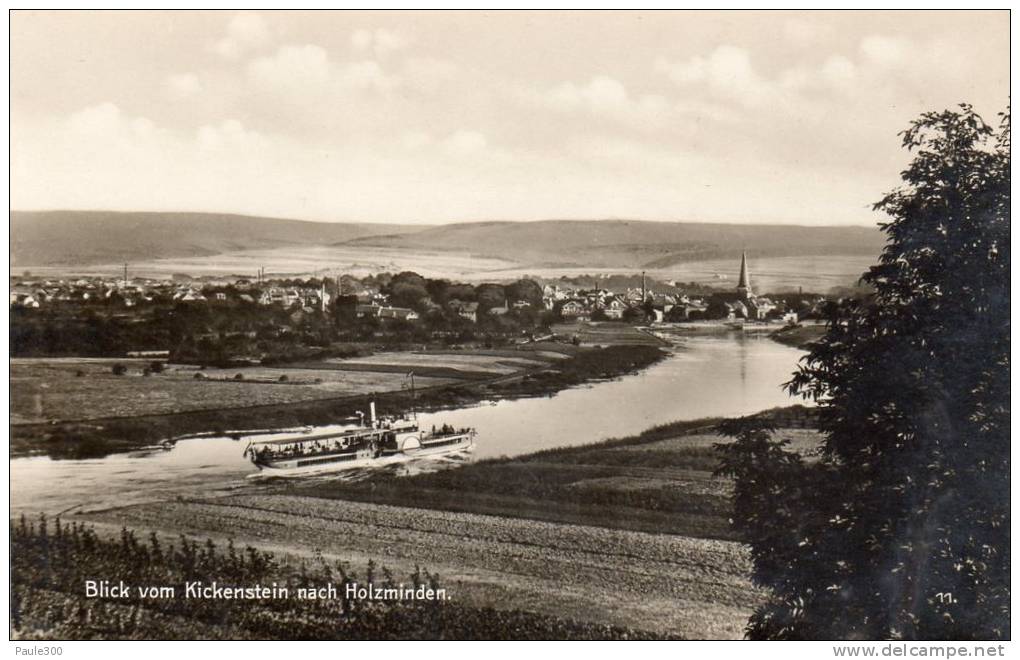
[(341, 461)]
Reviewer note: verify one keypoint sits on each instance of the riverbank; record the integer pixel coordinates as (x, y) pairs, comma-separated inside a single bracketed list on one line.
[(799, 336), (630, 533), (660, 481), (542, 369)]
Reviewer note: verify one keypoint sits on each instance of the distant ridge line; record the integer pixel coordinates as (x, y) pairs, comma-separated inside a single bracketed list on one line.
[(74, 238)]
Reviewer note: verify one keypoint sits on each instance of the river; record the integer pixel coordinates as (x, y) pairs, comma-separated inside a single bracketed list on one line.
[(705, 376)]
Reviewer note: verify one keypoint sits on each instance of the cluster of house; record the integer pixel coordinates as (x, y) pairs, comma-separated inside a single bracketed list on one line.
[(32, 293), (570, 303), (380, 310), (25, 292), (308, 298), (585, 304), (377, 307), (742, 304)]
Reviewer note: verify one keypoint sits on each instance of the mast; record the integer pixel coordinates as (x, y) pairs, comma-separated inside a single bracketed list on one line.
[(414, 409)]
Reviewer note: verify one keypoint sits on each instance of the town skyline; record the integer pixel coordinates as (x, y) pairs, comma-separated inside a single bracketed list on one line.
[(451, 117)]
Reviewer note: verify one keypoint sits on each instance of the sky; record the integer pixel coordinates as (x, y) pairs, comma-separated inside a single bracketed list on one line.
[(434, 117)]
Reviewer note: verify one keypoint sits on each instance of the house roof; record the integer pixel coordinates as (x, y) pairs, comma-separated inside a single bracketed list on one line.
[(396, 312)]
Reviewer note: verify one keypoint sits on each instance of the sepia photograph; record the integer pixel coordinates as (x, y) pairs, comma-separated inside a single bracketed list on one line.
[(510, 325)]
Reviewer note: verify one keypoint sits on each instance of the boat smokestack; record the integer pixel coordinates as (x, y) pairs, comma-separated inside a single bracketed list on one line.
[(371, 412)]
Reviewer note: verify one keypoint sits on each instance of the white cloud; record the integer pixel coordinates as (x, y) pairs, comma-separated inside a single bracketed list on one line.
[(227, 134), (836, 73), (142, 127), (380, 41), (457, 125), (599, 92), (458, 143), (796, 78), (107, 124), (368, 74), (839, 71), (246, 32), (727, 71), (309, 69), (604, 97), (428, 73), (466, 142), (98, 119), (802, 32), (291, 68), (728, 74), (106, 121), (103, 157), (182, 85), (883, 50), (414, 140)]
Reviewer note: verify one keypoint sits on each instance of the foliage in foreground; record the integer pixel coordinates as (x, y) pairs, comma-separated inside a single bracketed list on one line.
[(901, 531), (51, 561)]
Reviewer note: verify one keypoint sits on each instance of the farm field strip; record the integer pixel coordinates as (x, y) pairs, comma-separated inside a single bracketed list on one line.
[(53, 391), (312, 260), (606, 333), (661, 582), (44, 389), (471, 363), (803, 441)]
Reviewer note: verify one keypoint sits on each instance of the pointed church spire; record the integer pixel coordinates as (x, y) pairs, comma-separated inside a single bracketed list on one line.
[(744, 285)]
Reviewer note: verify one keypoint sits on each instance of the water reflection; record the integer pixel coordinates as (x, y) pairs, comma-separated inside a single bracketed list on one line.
[(705, 377), (408, 467)]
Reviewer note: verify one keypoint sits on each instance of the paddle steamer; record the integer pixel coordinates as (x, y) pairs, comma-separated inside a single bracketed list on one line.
[(358, 443)]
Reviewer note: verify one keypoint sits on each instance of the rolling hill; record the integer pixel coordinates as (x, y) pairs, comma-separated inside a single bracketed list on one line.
[(42, 238), (83, 238), (630, 244)]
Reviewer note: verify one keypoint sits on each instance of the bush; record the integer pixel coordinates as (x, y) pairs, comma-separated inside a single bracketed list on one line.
[(238, 376), (156, 367), (118, 369)]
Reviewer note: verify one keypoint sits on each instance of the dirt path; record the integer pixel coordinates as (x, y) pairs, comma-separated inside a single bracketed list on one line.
[(695, 587)]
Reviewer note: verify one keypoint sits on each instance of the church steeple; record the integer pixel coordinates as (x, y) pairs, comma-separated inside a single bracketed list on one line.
[(744, 285)]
